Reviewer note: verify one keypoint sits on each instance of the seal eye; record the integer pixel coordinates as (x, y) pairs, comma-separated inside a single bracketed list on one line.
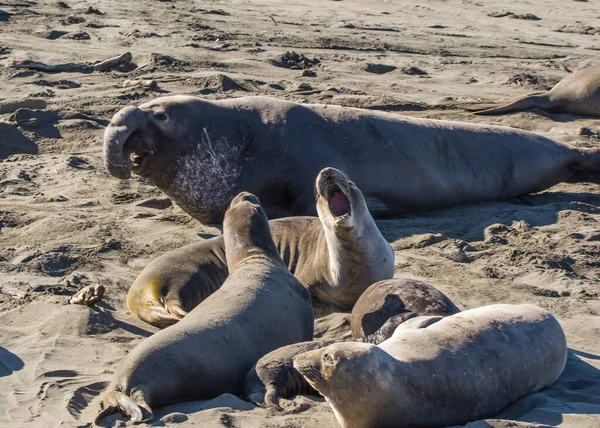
[(328, 359), (160, 116)]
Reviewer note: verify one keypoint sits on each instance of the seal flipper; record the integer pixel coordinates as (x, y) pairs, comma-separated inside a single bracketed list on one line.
[(130, 407), (587, 166), (272, 398), (528, 102), (157, 315)]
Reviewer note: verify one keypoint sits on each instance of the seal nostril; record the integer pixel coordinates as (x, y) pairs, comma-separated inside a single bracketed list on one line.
[(160, 116)]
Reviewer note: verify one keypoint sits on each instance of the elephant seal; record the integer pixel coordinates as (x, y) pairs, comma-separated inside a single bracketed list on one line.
[(464, 367), (260, 307), (201, 153), (274, 377), (378, 312), (578, 93), (402, 297), (336, 256)]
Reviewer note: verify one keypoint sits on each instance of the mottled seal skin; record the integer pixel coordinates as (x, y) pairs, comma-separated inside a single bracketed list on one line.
[(402, 297), (336, 256), (578, 93), (274, 377), (201, 153), (461, 368), (259, 308)]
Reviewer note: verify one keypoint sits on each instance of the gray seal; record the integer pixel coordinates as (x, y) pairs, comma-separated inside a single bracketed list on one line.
[(201, 153), (260, 307), (336, 256), (578, 93), (461, 368), (383, 307), (274, 377), (402, 297)]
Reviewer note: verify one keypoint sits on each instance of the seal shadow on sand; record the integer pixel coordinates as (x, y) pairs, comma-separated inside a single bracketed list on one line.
[(468, 222), (9, 362), (13, 142), (576, 391)]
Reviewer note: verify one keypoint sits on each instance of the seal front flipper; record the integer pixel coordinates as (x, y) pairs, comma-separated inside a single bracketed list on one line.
[(137, 410)]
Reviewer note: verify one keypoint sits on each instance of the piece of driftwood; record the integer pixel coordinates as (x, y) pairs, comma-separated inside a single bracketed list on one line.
[(88, 296), (30, 103), (109, 64)]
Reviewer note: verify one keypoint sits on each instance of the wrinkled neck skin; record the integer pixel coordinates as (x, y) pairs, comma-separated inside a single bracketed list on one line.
[(204, 162), (358, 254), (247, 237)]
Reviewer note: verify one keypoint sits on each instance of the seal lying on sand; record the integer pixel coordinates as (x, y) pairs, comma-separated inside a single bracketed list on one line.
[(402, 297), (201, 153), (464, 367), (578, 93), (336, 256), (375, 316), (274, 377), (259, 308)]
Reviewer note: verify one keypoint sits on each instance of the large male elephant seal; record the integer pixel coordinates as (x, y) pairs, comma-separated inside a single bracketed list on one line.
[(402, 297), (383, 307), (260, 307), (201, 153), (336, 256), (578, 93), (461, 368)]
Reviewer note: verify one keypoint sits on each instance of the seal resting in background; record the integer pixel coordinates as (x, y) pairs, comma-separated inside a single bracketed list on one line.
[(402, 297), (578, 93), (201, 153), (260, 307), (375, 316), (336, 256), (461, 368)]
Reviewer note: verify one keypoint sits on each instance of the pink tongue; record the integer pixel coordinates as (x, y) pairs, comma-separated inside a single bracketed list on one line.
[(338, 204)]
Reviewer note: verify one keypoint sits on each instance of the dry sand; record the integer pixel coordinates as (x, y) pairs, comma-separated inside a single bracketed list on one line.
[(66, 223)]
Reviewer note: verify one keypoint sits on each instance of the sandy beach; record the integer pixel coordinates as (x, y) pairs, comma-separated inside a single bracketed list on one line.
[(66, 223)]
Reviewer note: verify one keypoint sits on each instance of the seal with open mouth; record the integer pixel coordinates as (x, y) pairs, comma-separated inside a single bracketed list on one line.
[(336, 256), (201, 153), (259, 308), (461, 368)]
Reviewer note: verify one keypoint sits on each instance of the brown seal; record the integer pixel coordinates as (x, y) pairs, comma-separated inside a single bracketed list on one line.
[(578, 94), (336, 256), (464, 367), (201, 153), (402, 297), (274, 377), (375, 316), (260, 307)]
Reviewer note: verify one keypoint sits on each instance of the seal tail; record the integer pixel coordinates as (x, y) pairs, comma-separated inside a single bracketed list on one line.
[(525, 103), (114, 401)]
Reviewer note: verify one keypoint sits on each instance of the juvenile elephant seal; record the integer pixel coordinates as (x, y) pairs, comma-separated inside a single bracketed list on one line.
[(260, 307), (201, 153), (274, 377), (405, 298), (462, 368), (578, 93), (336, 256)]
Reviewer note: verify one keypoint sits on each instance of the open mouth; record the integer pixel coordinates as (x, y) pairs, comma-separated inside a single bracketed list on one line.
[(339, 205), (137, 158)]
